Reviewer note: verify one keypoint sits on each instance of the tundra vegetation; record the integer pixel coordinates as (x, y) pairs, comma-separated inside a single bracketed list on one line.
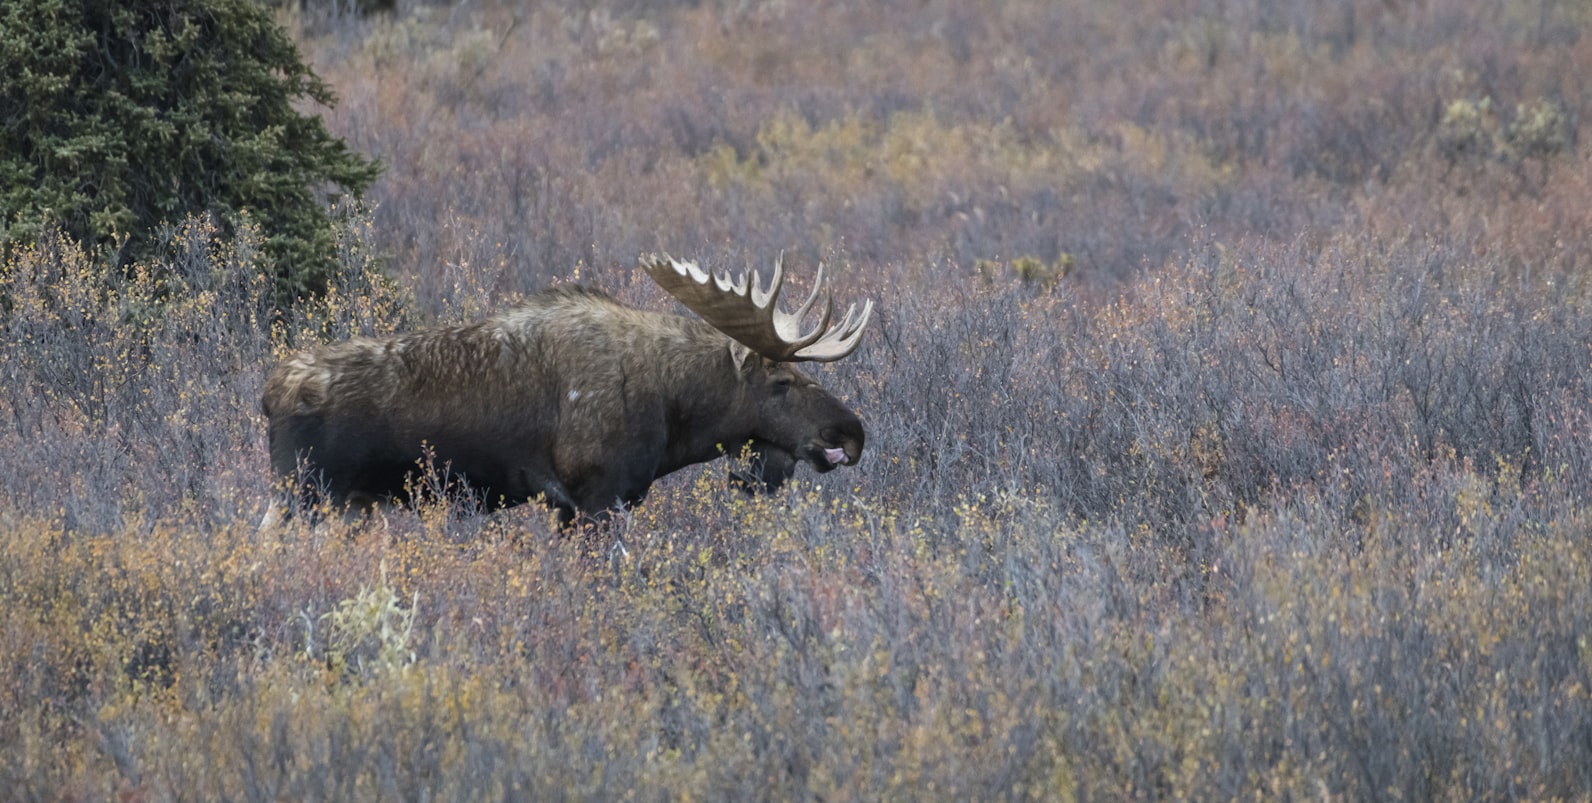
[(1265, 476)]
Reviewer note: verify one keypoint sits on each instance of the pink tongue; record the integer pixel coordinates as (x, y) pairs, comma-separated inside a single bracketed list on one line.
[(836, 456)]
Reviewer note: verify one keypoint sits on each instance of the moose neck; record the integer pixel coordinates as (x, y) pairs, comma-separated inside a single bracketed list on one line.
[(713, 408)]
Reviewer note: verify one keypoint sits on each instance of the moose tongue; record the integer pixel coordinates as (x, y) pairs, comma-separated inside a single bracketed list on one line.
[(836, 456)]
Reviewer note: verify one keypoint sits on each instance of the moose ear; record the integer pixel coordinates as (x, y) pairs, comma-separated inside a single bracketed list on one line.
[(739, 354)]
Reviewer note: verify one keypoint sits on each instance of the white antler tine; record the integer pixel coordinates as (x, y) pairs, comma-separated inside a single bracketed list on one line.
[(840, 341), (764, 299), (844, 329), (681, 268), (818, 284), (852, 323), (867, 314)]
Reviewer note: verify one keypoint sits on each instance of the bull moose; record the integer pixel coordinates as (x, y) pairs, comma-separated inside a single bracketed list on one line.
[(573, 398)]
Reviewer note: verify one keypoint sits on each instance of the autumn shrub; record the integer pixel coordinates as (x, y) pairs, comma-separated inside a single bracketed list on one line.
[(1110, 133), (136, 395), (820, 646)]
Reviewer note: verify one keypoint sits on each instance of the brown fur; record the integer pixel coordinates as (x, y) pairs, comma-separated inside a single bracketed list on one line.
[(572, 397)]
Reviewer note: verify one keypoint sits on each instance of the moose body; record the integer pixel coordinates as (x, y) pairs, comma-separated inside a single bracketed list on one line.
[(574, 398)]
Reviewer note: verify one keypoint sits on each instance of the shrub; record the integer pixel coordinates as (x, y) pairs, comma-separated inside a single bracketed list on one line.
[(133, 116)]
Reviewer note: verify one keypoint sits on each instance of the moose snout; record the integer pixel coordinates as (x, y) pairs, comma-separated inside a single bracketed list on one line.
[(848, 437)]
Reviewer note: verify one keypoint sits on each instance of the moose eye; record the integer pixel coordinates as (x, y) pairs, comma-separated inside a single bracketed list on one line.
[(783, 384)]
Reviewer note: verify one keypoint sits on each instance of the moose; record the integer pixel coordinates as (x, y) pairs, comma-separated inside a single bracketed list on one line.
[(572, 398)]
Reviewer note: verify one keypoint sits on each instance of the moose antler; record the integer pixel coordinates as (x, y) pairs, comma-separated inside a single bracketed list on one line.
[(748, 313)]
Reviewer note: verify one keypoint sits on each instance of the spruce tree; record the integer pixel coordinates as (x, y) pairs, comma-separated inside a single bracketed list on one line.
[(118, 116)]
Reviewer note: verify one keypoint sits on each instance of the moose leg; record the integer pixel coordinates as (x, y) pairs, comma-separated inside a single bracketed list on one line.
[(275, 514), (532, 482), (603, 489), (298, 488)]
